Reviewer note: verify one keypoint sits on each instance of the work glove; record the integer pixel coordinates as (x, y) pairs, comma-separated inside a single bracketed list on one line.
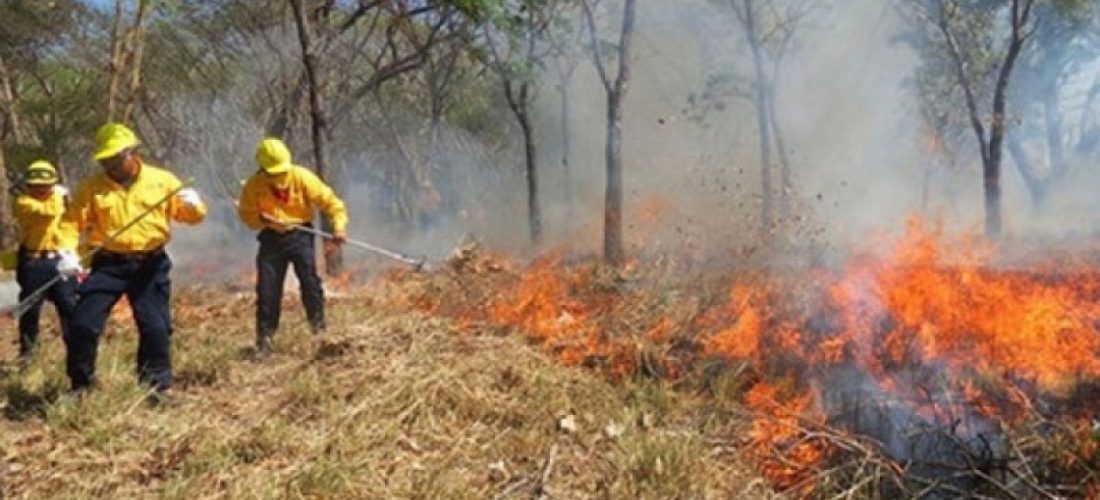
[(69, 264), (61, 190), (190, 197)]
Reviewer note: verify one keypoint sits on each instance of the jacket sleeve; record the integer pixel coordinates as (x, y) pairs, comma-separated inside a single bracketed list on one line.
[(69, 236), (248, 206), (182, 212), (26, 206), (323, 197), (78, 215)]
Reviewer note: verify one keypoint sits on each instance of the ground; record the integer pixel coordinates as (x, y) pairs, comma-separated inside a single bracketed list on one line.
[(387, 403)]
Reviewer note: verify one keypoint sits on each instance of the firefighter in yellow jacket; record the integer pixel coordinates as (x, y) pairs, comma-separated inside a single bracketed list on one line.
[(43, 243), (276, 198), (130, 260)]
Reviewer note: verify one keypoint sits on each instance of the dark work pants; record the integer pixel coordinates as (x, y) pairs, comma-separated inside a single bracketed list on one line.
[(32, 274), (146, 284), (277, 251)]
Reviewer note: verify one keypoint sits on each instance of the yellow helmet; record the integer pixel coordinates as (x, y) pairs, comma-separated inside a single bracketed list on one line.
[(40, 173), (273, 156), (113, 138)]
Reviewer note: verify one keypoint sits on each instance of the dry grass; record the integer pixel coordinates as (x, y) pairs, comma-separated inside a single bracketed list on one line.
[(659, 320), (388, 404)]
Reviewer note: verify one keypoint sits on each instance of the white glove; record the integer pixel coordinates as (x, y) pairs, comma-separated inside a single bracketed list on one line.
[(190, 197), (61, 190), (69, 264)]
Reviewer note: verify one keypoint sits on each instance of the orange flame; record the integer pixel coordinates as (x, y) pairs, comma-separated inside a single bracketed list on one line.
[(928, 302)]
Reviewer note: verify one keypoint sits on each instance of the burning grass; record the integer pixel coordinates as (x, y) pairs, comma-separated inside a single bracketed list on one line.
[(934, 368), (388, 404)]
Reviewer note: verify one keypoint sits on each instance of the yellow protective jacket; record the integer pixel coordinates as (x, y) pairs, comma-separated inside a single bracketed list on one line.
[(40, 224), (102, 206), (289, 198)]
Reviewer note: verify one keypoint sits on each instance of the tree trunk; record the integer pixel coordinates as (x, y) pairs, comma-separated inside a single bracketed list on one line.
[(534, 214), (991, 151), (334, 258), (991, 171), (763, 123), (115, 65), (13, 125), (520, 102), (286, 122), (1036, 187), (991, 183), (613, 196), (8, 236), (616, 89), (136, 39)]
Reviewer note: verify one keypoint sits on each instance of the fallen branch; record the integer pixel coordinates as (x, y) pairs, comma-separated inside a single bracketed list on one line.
[(547, 468)]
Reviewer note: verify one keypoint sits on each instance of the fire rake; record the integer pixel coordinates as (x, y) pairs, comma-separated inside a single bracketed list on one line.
[(417, 263)]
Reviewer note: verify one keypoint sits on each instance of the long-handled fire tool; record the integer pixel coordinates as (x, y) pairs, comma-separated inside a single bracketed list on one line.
[(417, 263), (17, 310)]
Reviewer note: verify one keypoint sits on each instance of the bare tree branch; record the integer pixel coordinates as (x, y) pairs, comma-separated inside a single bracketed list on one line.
[(597, 56)]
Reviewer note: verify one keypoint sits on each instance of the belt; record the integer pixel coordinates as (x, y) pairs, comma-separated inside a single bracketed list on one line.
[(132, 256), (288, 226), (38, 254), (287, 230)]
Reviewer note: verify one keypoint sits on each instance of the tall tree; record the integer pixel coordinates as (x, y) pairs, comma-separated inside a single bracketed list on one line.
[(519, 46), (615, 85), (334, 260), (769, 28), (981, 66), (124, 65), (36, 119), (318, 31), (367, 45), (1066, 45), (444, 71)]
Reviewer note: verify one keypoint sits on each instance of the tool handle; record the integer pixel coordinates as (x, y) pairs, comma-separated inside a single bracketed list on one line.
[(118, 232), (364, 245), (18, 309)]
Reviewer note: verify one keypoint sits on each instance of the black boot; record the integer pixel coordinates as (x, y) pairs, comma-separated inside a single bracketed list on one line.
[(264, 345)]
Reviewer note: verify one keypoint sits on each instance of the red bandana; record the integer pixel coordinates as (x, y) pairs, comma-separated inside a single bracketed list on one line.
[(280, 193)]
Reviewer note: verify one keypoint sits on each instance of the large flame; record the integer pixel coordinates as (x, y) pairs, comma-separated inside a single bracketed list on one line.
[(987, 334), (927, 330)]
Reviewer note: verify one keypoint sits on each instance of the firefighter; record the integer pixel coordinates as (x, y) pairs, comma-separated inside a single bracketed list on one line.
[(43, 243), (277, 197), (129, 260)]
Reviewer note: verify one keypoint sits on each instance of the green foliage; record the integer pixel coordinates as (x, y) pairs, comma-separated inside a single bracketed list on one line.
[(63, 112), (216, 73), (478, 10), (1063, 41)]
